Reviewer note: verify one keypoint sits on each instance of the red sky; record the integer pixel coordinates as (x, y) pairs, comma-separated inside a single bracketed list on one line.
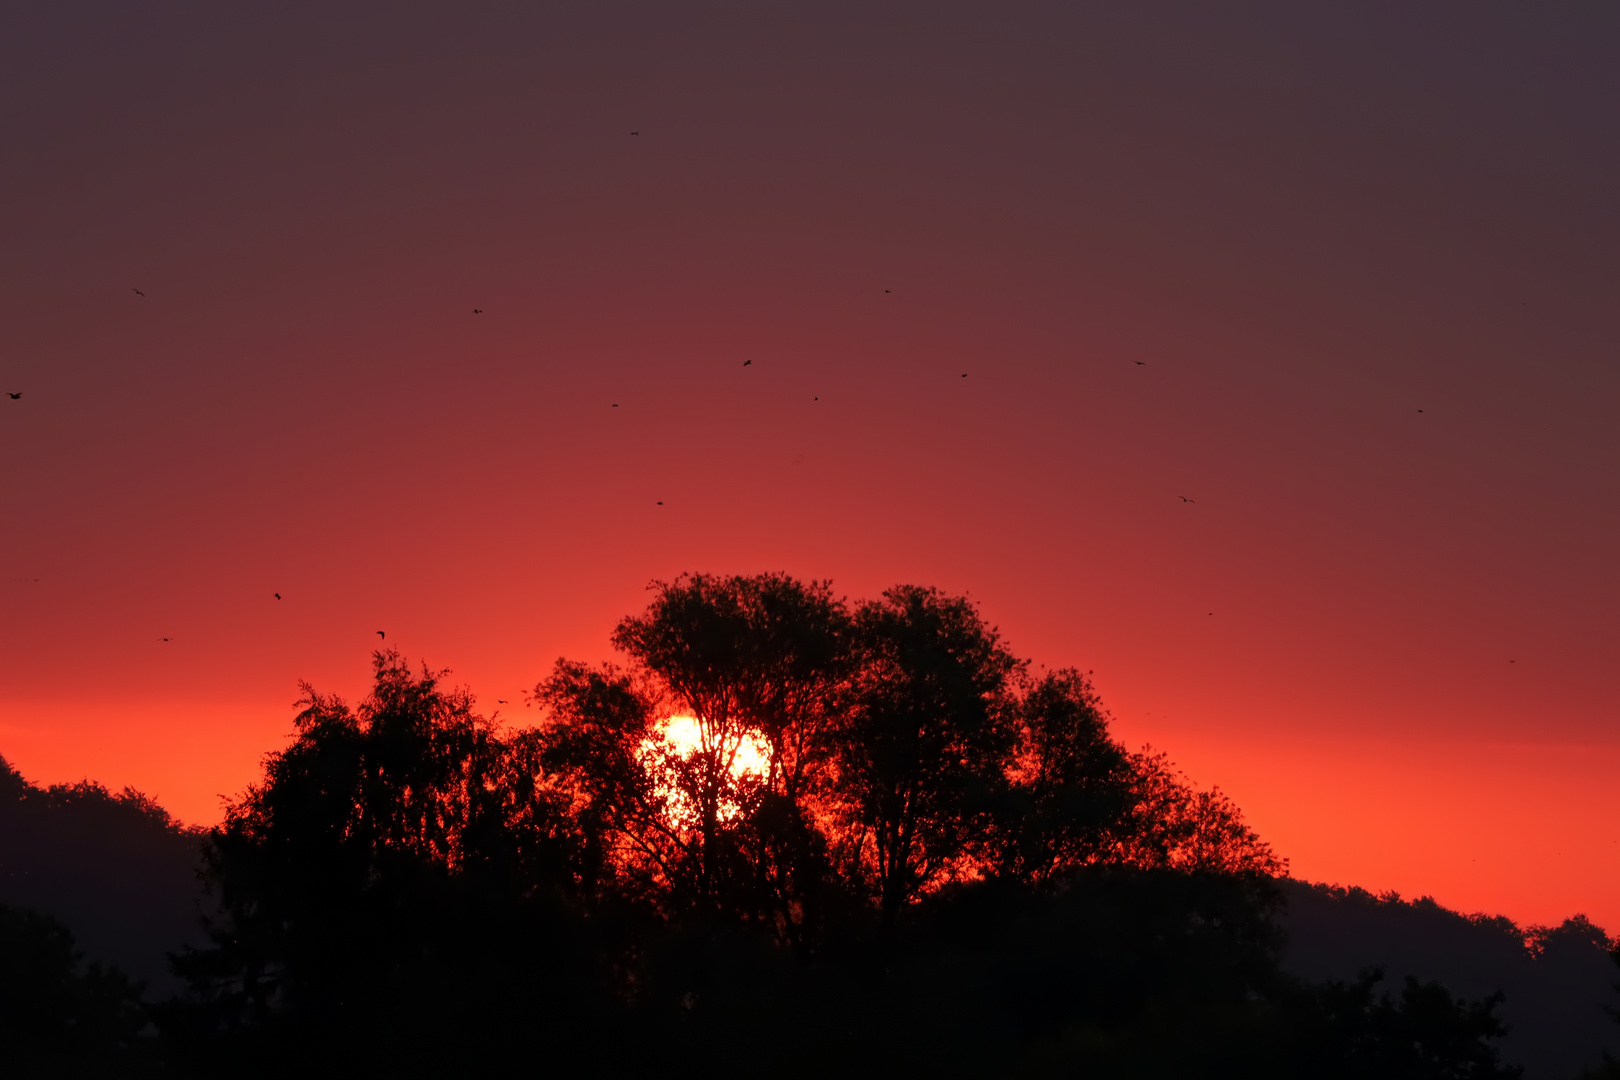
[(1390, 634)]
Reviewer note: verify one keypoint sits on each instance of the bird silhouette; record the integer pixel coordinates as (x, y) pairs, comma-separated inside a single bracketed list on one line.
[(136, 291), (382, 635), (502, 701), (165, 639), (615, 404), (815, 399), (748, 363), (1420, 410), (478, 311), (1184, 498), (13, 397), (278, 596), (964, 374), (888, 290), (660, 502), (1140, 363), (635, 133)]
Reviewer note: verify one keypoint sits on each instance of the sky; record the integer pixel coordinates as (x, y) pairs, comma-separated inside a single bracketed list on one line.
[(1260, 361)]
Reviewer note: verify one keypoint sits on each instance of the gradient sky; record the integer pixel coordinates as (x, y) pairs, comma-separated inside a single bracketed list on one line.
[(1345, 276)]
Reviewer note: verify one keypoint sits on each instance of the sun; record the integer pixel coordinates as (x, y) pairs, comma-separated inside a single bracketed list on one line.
[(676, 741), (683, 736)]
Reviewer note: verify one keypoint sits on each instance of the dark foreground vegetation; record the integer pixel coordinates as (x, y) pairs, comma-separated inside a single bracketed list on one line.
[(1560, 982), (939, 862)]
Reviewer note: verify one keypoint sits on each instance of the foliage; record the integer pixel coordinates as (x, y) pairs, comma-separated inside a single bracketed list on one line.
[(1175, 825), (1424, 1033), (392, 884), (922, 753), (59, 1018), (1070, 797)]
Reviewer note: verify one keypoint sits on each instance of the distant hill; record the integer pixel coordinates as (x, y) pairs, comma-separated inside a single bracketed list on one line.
[(116, 869), (1557, 980)]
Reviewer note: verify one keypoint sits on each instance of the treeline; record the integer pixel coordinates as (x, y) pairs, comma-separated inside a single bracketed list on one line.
[(1560, 982), (122, 872), (878, 843), (113, 865)]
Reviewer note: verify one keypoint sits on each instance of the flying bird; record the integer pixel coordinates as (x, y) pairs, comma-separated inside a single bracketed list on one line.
[(635, 133), (165, 639), (1140, 363), (660, 502), (136, 291), (502, 701), (382, 635), (815, 399), (478, 311), (964, 374), (1184, 498), (1420, 410), (888, 290), (615, 404), (13, 397), (748, 363), (278, 596)]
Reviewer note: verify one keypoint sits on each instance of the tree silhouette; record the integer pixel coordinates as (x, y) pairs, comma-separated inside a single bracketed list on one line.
[(601, 745), (1350, 1030), (1177, 826), (763, 657), (921, 753), (112, 866), (59, 1018), (385, 885), (1610, 1069), (1070, 801)]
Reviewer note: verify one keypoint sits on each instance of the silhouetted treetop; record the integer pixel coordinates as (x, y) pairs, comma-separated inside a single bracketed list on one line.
[(766, 652), (923, 751), (347, 877), (86, 799), (1072, 796)]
